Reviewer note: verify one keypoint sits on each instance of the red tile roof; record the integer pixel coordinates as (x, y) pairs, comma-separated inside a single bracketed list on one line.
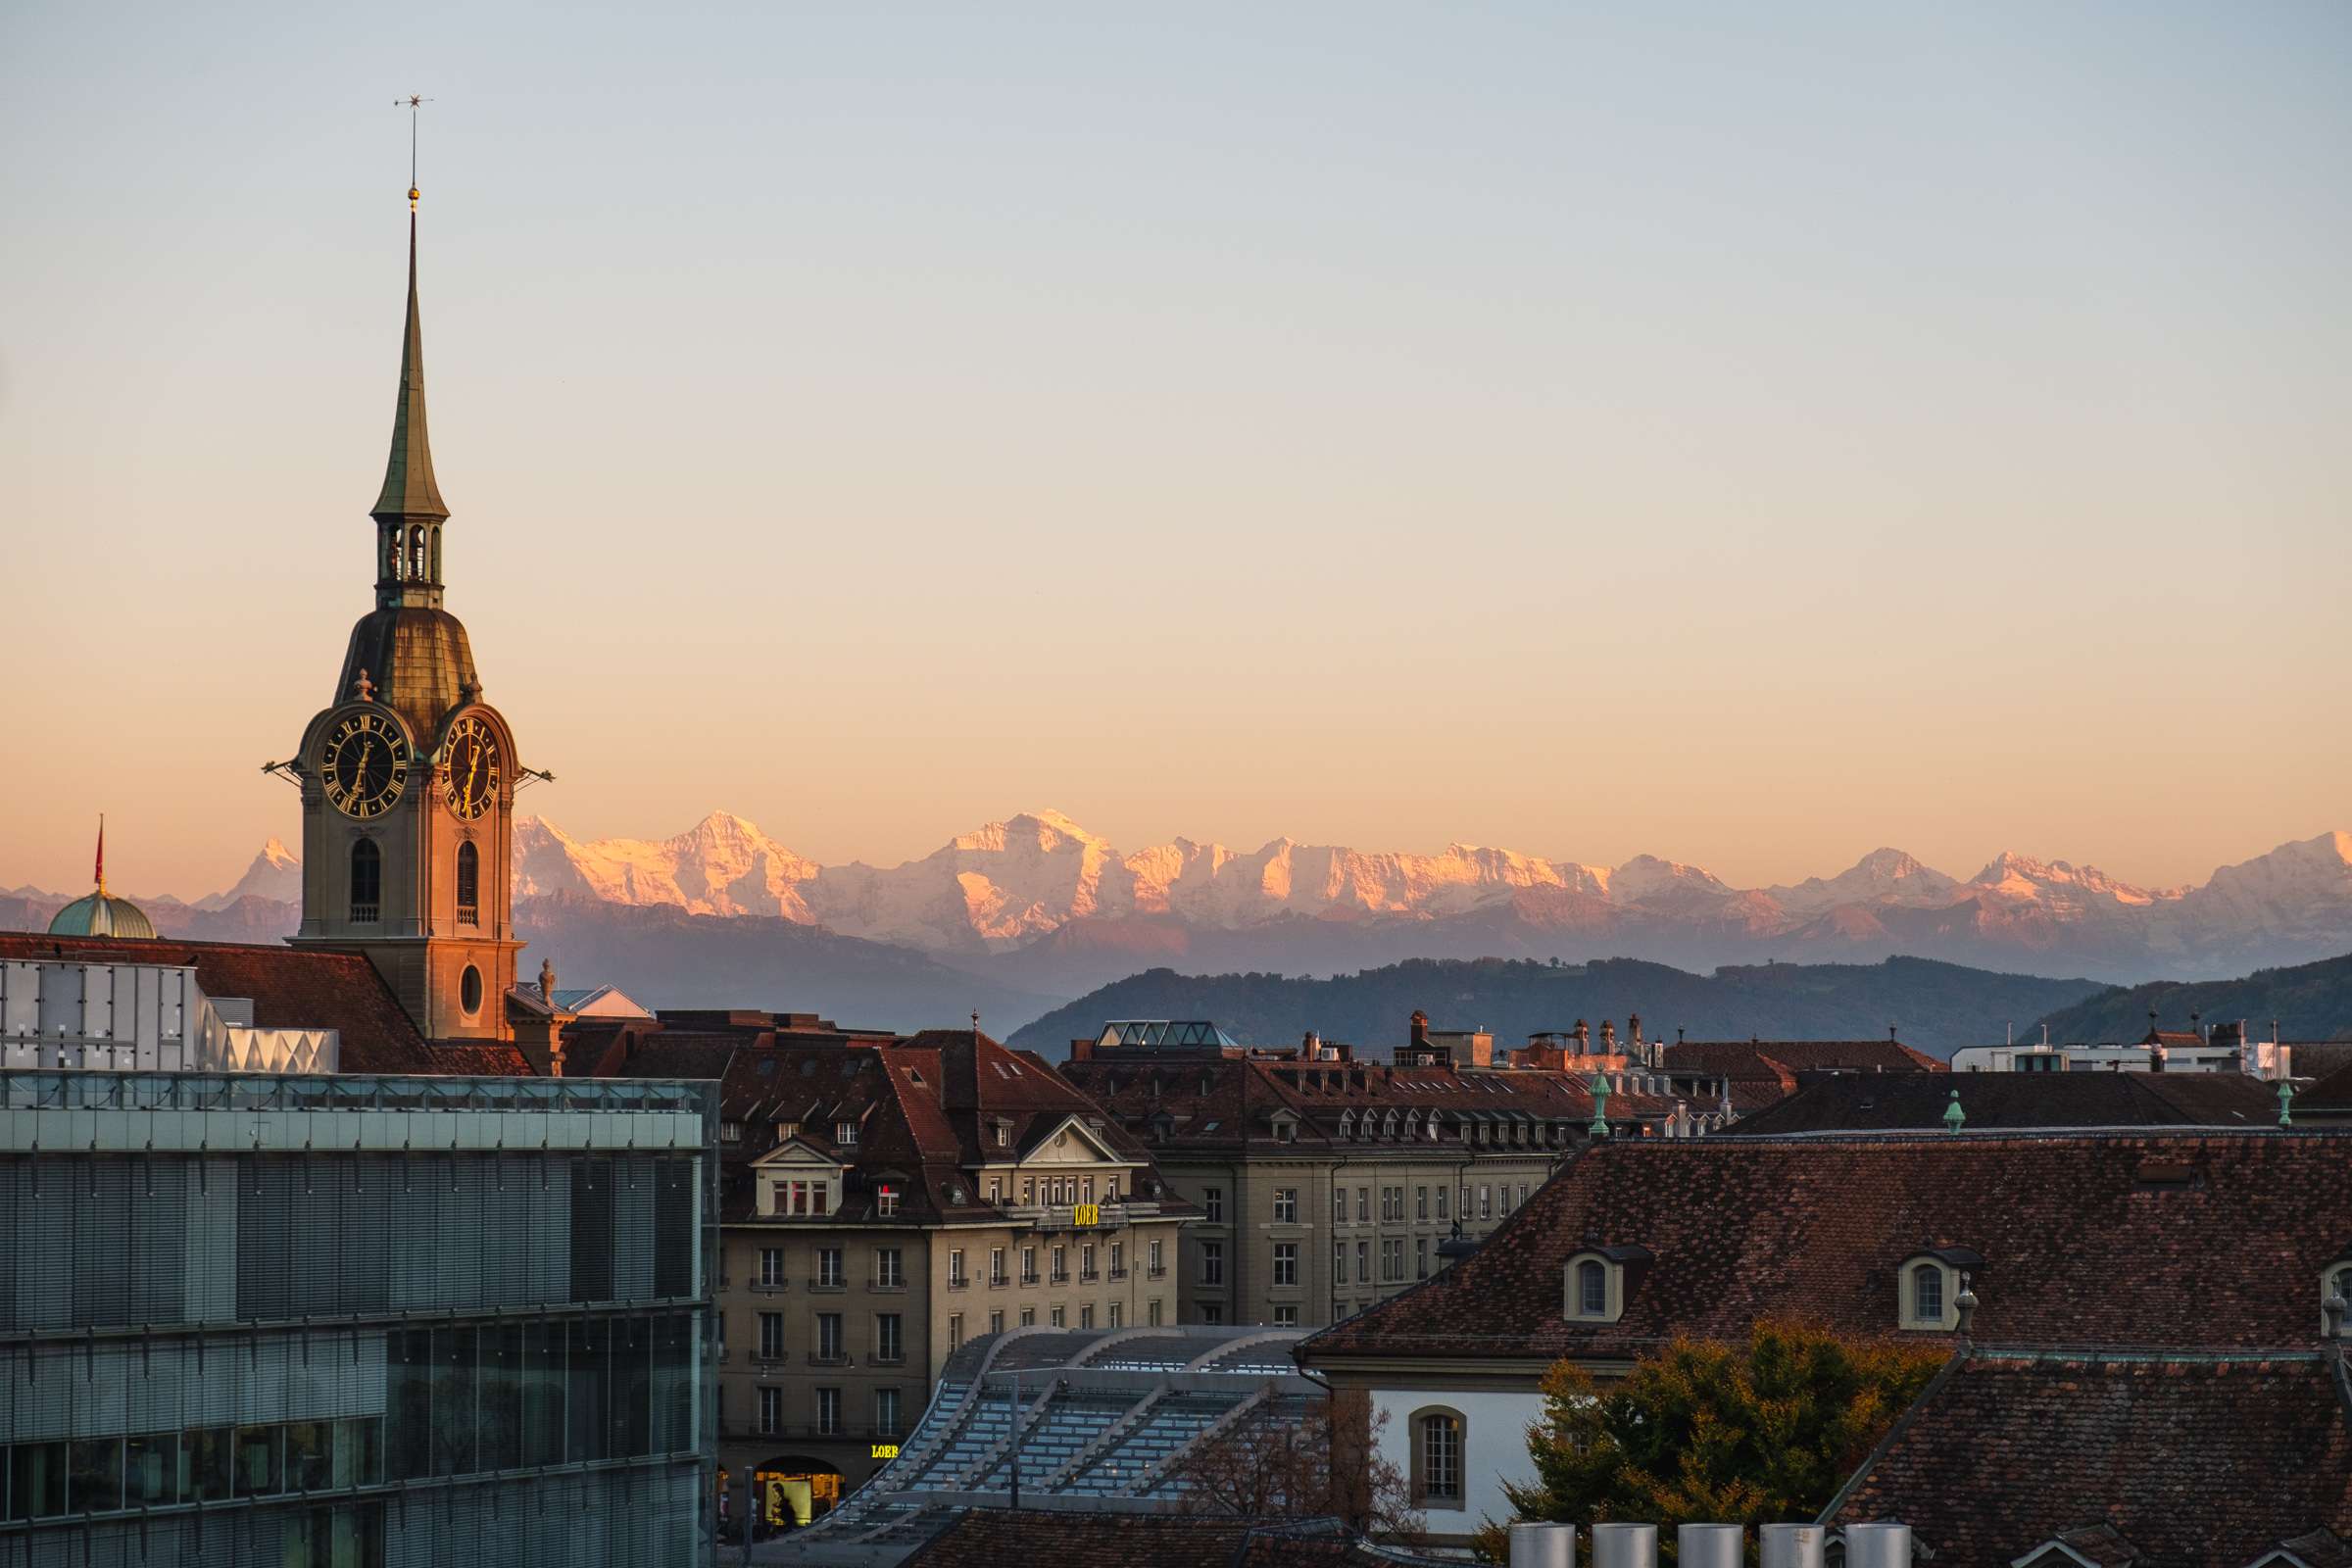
[(2191, 1461), (2170, 1240), (1741, 1059), (1917, 1101), (291, 988)]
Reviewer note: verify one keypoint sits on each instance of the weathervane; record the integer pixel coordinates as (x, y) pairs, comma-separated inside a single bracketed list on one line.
[(411, 103)]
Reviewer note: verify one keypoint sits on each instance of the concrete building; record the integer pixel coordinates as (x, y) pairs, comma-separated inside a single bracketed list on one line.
[(2201, 1048), (354, 1320), (1325, 1184), (887, 1201)]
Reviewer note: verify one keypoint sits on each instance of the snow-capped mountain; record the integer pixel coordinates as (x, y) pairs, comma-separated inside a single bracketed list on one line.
[(1039, 904), (1040, 885)]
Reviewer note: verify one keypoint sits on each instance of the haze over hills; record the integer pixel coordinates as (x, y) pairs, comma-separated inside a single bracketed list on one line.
[(2308, 1002), (1936, 1007), (1038, 905)]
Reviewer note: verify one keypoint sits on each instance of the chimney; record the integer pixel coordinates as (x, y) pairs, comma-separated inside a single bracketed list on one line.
[(1542, 1545), (1624, 1545), (1420, 1030), (1876, 1545), (1608, 1037), (1709, 1545), (1792, 1545)]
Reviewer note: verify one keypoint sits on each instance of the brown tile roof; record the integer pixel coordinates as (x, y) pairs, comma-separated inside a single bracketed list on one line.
[(1233, 1101), (478, 1058), (291, 988), (2168, 1239), (991, 1538), (2189, 1461), (1743, 1058), (925, 1108), (2331, 1093), (1991, 1100)]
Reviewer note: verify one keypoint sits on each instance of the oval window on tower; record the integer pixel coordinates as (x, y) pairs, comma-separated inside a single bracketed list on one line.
[(469, 989)]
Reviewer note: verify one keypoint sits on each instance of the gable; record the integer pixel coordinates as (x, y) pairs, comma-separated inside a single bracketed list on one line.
[(795, 1153), (1072, 1142)]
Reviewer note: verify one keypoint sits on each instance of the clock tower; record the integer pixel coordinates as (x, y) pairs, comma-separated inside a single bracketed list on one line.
[(408, 775)]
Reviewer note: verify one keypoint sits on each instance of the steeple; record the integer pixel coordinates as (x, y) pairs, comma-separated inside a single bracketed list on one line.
[(409, 487), (409, 513)]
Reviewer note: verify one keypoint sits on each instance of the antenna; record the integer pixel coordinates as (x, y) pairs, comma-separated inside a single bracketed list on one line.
[(411, 103)]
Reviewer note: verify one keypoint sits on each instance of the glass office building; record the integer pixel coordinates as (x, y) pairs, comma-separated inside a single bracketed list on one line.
[(355, 1321)]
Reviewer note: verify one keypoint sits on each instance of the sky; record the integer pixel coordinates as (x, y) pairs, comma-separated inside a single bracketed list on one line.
[(1744, 435)]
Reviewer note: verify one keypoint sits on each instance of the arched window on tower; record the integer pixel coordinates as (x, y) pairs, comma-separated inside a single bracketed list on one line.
[(416, 554), (367, 883), (434, 576), (469, 885), (391, 566)]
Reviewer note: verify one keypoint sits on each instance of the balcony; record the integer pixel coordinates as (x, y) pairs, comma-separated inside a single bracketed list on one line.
[(997, 1282), (1118, 1272), (827, 1287), (1064, 1216), (958, 1282), (1029, 1276), (1061, 1276), (1157, 1271), (826, 1359), (1088, 1276)]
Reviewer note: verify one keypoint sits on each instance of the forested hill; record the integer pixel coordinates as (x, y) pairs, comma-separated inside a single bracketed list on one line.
[(1935, 1006), (2310, 1001)]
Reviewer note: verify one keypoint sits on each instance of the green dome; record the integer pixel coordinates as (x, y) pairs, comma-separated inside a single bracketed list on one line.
[(100, 914)]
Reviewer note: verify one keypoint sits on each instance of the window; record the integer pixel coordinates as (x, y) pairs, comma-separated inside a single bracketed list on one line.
[(469, 885), (1443, 1193), (1437, 1478), (1392, 1259), (1363, 1263), (890, 1343), (1061, 1265), (1213, 1204), (1212, 1312), (470, 990), (1286, 1205), (2335, 1283), (885, 1201), (1286, 1262), (772, 1336), (1522, 1204), (828, 1336), (771, 1410), (1152, 1311), (1420, 1202), (954, 1332), (771, 1267), (1286, 1316), (996, 1190), (1057, 1315), (1086, 1261), (955, 1279), (995, 1321), (1086, 1317), (828, 1267), (1339, 1206), (1595, 1284), (1592, 1289), (1003, 1135), (828, 1412), (1212, 1262), (996, 1265), (1485, 1203), (1339, 1264), (1118, 1314), (367, 883), (1929, 1288), (845, 1133), (1028, 1317), (1363, 1204), (1118, 1260), (1158, 1265), (1420, 1258), (886, 1413), (890, 1268), (1927, 1294), (1028, 1266)]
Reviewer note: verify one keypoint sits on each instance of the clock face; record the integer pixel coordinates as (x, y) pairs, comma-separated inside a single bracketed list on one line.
[(472, 764), (367, 764)]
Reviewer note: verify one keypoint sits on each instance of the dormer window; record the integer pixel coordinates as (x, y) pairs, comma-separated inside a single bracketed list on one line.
[(1412, 1125), (845, 1133), (1346, 1124), (730, 1132), (1003, 1135), (885, 1201), (787, 1129), (1388, 1125), (1598, 1280), (1929, 1288)]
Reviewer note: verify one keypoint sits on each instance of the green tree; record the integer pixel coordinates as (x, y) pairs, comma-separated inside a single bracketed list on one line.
[(1706, 1430)]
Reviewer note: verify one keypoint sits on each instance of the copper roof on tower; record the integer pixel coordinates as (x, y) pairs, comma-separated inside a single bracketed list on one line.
[(409, 490)]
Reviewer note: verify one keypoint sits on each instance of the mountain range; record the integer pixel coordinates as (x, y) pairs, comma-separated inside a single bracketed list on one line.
[(1035, 909)]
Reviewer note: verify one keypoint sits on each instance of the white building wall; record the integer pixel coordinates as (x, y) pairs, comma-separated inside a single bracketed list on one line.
[(1494, 1447)]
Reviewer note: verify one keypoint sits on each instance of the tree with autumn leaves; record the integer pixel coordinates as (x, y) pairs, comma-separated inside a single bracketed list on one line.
[(1703, 1431)]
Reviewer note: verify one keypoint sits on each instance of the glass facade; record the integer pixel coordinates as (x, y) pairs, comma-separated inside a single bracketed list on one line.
[(355, 1321)]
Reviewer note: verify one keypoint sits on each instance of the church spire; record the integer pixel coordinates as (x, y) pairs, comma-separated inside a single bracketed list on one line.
[(409, 490)]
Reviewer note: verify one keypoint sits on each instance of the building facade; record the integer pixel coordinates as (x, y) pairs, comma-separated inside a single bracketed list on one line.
[(354, 1320), (1325, 1184), (887, 1201)]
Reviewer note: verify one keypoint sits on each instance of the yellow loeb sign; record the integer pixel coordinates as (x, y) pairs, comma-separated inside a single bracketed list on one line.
[(1090, 1213), (885, 1451)]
